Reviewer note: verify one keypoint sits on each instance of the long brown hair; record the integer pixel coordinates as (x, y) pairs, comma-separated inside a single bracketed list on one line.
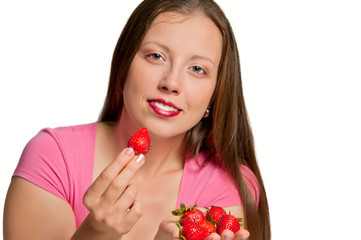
[(227, 130)]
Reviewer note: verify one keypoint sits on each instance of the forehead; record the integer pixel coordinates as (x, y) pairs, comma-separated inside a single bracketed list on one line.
[(188, 33), (171, 17), (175, 18)]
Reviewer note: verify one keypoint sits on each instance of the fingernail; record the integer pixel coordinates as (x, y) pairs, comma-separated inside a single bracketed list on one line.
[(245, 237), (128, 152), (139, 158)]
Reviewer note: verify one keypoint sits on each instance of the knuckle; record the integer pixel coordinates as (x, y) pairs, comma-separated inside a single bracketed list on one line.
[(117, 186), (131, 192), (98, 215), (109, 222), (88, 200), (119, 160), (137, 211), (106, 176)]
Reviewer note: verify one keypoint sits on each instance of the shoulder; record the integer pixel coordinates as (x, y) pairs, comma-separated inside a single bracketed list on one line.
[(63, 134), (54, 141), (53, 154), (71, 133)]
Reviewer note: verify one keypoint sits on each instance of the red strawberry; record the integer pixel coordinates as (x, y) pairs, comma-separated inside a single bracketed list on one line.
[(189, 214), (215, 213), (209, 227), (229, 222), (193, 216), (193, 231), (140, 141)]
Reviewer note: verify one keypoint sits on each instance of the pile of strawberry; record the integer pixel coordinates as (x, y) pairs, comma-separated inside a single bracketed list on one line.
[(195, 225)]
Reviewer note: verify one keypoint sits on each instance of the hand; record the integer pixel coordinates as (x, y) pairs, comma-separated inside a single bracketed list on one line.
[(168, 229), (110, 200), (242, 234)]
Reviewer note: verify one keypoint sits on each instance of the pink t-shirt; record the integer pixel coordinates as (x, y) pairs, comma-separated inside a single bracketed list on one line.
[(61, 161)]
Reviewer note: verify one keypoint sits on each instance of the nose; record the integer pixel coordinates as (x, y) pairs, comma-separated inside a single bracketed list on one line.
[(171, 82)]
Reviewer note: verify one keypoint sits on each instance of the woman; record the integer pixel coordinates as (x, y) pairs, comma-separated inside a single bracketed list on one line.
[(175, 70)]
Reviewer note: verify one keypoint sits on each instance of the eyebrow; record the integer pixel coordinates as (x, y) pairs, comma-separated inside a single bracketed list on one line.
[(159, 44), (168, 50), (204, 58)]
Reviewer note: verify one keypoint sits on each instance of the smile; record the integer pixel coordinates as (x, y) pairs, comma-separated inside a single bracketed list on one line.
[(163, 108)]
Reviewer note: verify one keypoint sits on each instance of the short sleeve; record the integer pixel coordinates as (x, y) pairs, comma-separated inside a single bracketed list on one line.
[(43, 164)]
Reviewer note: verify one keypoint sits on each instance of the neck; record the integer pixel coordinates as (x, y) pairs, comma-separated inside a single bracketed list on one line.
[(165, 155)]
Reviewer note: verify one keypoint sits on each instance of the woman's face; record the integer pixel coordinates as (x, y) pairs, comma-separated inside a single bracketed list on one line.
[(173, 75)]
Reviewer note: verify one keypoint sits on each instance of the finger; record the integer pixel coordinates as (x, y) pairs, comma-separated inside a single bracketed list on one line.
[(168, 229), (242, 234), (126, 201), (227, 235), (171, 230), (121, 181), (131, 217), (103, 181), (213, 236), (169, 226)]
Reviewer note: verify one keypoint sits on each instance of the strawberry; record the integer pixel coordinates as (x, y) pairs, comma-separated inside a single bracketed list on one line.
[(193, 216), (215, 213), (189, 214), (140, 141), (209, 227), (193, 231), (230, 222)]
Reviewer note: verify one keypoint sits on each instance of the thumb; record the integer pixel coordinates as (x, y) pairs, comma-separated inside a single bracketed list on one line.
[(168, 229)]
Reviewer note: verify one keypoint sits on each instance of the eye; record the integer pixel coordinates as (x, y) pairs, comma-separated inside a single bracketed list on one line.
[(156, 56), (198, 70)]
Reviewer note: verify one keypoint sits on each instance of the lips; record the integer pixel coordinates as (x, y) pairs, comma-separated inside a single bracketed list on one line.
[(164, 108)]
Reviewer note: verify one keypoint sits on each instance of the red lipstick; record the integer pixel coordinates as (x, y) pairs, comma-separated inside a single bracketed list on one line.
[(164, 108)]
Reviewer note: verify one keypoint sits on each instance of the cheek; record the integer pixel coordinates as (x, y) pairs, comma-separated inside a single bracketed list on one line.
[(198, 100), (142, 77), (133, 86), (135, 77), (200, 95)]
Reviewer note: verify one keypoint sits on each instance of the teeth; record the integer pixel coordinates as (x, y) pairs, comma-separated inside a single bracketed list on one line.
[(164, 107)]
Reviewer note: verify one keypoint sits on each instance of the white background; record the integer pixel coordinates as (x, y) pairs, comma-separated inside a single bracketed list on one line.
[(301, 68)]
